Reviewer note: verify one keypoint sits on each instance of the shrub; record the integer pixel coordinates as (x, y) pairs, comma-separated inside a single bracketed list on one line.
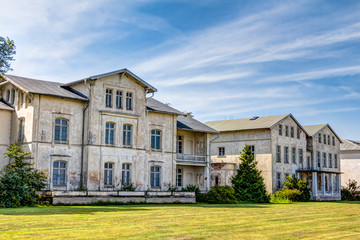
[(196, 189), (295, 190), (172, 188), (129, 187), (351, 191), (248, 183), (289, 194), (220, 194), (19, 180), (279, 199)]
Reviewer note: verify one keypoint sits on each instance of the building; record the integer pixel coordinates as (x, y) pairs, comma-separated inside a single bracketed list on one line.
[(350, 161), (103, 132), (281, 147)]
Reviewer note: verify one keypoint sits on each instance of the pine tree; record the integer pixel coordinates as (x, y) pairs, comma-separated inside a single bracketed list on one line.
[(248, 183)]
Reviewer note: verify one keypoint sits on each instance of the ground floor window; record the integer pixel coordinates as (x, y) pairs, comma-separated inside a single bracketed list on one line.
[(155, 177), (217, 180), (126, 173), (59, 173), (108, 174), (278, 181), (179, 177)]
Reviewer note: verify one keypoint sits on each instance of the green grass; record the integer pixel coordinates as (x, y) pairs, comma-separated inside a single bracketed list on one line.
[(312, 220)]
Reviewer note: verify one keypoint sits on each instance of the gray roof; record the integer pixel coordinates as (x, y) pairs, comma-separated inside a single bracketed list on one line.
[(124, 70), (44, 87), (157, 106), (314, 129), (5, 106), (189, 123), (350, 145)]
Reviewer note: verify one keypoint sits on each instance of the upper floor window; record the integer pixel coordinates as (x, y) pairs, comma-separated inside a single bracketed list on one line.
[(278, 154), (21, 134), (108, 98), (129, 97), (335, 161), (324, 159), (155, 177), (292, 132), (301, 157), (252, 149), (329, 143), (155, 139), (293, 155), (61, 130), (127, 135), (286, 154), (298, 132), (330, 160), (324, 138), (319, 138), (59, 173), (108, 174), (280, 130), (109, 133), (221, 151), (333, 141), (119, 99), (286, 131), (8, 96), (318, 159), (13, 96), (126, 173), (179, 144)]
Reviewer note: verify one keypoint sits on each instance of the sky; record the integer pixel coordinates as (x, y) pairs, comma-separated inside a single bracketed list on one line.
[(218, 59)]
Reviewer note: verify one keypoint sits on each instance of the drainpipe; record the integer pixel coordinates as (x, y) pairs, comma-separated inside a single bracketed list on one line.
[(83, 141), (218, 135)]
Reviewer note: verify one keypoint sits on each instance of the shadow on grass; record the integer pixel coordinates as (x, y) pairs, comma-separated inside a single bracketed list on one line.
[(344, 201)]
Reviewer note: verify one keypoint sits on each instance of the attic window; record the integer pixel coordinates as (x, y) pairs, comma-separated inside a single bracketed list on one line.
[(254, 118)]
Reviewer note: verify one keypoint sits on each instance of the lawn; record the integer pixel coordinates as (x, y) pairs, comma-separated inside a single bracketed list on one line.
[(313, 220)]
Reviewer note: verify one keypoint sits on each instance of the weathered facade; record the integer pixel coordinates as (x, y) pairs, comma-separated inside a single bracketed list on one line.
[(350, 161), (281, 148), (101, 133)]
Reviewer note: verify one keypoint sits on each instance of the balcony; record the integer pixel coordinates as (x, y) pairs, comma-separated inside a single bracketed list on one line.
[(190, 158)]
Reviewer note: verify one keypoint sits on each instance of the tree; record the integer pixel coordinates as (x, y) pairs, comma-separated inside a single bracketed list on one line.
[(19, 180), (295, 189), (248, 183), (7, 51)]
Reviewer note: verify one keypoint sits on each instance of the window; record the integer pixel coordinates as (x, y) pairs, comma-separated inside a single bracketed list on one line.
[(252, 149), (221, 151), (129, 101), (278, 181), (330, 160), (13, 96), (127, 135), (109, 98), (298, 132), (155, 177), (278, 154), (324, 138), (319, 138), (336, 183), (126, 173), (308, 162), (286, 131), (179, 144), (286, 154), (280, 130), (109, 133), (333, 141), (217, 182), (155, 139), (179, 177), (21, 130), (301, 157), (293, 155), (329, 143), (108, 174), (318, 159), (326, 183), (59, 173), (61, 130), (292, 132), (8, 96), (324, 159), (335, 161), (119, 99)]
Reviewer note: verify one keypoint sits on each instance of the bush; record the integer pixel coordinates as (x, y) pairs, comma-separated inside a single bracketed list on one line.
[(351, 192), (279, 199), (129, 187), (288, 194), (19, 180), (196, 189), (220, 194), (172, 188)]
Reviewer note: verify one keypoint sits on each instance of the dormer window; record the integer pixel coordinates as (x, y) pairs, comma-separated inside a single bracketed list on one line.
[(108, 98), (129, 96)]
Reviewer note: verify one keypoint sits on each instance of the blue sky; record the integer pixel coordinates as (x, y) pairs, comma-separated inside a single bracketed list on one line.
[(218, 59)]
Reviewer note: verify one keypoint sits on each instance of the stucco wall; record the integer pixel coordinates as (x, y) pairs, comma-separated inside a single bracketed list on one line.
[(350, 165), (5, 120)]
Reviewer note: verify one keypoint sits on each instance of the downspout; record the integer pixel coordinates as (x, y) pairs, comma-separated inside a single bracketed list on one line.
[(83, 141), (218, 135)]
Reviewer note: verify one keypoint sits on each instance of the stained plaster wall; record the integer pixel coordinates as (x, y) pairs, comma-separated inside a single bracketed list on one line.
[(5, 120), (350, 165)]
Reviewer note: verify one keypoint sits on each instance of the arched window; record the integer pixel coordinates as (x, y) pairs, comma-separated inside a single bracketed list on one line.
[(59, 173), (61, 130), (13, 96), (155, 176), (8, 96), (109, 133), (127, 129), (21, 130), (126, 173), (155, 139), (108, 174)]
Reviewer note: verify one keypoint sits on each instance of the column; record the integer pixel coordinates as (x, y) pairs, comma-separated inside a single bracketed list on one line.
[(332, 184), (323, 184), (314, 184)]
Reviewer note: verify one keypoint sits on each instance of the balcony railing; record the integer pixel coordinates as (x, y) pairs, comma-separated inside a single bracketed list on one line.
[(190, 158)]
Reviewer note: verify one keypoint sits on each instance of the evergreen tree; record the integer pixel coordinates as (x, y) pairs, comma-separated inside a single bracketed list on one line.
[(248, 183), (19, 180)]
